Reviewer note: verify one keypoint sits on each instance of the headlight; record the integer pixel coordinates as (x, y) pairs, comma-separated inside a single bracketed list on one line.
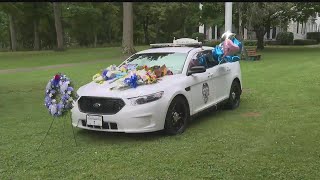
[(146, 99)]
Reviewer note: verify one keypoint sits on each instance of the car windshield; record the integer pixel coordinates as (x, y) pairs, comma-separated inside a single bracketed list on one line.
[(172, 60)]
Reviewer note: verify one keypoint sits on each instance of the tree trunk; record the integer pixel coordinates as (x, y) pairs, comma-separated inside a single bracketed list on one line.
[(12, 33), (260, 36), (95, 40), (240, 28), (127, 34), (145, 30), (57, 22), (36, 44)]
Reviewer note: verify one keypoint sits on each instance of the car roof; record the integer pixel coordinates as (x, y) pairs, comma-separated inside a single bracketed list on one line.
[(172, 49), (167, 49)]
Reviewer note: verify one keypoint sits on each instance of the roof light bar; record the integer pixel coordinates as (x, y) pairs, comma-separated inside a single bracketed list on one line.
[(183, 42)]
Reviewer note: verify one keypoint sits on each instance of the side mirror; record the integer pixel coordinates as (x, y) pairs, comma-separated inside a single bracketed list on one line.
[(196, 69)]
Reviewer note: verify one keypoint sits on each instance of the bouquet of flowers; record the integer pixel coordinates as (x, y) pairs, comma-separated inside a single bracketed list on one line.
[(130, 76)]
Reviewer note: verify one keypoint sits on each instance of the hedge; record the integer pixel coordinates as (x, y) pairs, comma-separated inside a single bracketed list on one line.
[(213, 43), (304, 42), (285, 38), (314, 35), (200, 36)]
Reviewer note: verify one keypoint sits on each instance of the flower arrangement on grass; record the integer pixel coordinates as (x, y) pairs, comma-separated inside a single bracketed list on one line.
[(59, 95)]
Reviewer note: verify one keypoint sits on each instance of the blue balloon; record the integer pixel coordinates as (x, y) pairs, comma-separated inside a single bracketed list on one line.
[(238, 43), (217, 53), (202, 61)]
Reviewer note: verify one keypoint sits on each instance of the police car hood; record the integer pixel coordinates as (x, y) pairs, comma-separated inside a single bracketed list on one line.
[(103, 90)]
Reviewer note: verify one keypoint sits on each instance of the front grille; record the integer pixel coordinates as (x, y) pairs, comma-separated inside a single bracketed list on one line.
[(100, 105)]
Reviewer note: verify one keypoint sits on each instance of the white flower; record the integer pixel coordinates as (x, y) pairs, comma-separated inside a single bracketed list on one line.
[(63, 88), (53, 101), (69, 92), (48, 85), (50, 95), (53, 109)]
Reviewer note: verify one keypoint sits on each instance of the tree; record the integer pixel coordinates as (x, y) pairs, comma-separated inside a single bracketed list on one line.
[(57, 20), (127, 35), (32, 14), (4, 30), (212, 14), (261, 16), (12, 11)]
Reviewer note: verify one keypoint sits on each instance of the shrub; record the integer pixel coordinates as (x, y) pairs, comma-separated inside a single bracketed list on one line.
[(304, 42), (199, 35), (212, 43), (271, 42), (250, 42), (285, 38), (314, 35)]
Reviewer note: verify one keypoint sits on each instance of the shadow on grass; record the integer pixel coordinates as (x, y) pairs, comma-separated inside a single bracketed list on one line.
[(206, 115), (118, 137)]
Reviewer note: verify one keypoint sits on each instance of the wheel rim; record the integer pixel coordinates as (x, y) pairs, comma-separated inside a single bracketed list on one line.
[(178, 116), (235, 95)]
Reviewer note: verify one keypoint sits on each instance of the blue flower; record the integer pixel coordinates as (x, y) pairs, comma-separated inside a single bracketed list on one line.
[(70, 89), (132, 81), (104, 74)]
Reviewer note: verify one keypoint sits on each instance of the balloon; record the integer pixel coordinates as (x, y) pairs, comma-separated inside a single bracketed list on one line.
[(232, 58), (238, 43), (229, 48), (217, 52), (227, 35)]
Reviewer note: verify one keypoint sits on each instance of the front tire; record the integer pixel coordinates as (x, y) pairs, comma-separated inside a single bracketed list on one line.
[(177, 116), (233, 101)]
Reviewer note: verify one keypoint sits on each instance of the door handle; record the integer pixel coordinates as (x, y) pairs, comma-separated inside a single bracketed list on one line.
[(228, 69)]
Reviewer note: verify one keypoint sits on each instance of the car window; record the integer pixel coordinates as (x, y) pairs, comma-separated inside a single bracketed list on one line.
[(209, 59), (173, 61), (203, 58)]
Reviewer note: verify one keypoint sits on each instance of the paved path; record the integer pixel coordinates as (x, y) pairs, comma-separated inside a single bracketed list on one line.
[(7, 71)]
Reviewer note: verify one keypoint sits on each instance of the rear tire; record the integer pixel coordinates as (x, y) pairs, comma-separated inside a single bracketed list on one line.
[(233, 101), (177, 116)]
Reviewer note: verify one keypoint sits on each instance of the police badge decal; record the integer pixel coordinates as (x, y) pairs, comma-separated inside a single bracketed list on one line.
[(205, 92)]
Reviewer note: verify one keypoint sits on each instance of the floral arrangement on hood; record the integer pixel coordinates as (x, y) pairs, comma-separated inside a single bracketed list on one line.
[(131, 75), (59, 95)]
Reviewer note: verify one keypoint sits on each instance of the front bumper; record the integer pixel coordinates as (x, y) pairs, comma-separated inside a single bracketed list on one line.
[(130, 119)]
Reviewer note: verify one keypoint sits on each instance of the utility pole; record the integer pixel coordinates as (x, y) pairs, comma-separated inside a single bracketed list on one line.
[(228, 17)]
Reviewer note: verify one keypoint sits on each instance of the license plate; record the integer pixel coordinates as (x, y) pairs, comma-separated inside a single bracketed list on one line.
[(94, 120)]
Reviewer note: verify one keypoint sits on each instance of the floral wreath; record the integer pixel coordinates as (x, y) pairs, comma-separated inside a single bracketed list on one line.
[(59, 95)]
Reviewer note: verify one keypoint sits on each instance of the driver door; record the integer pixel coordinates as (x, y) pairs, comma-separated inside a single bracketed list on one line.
[(200, 85)]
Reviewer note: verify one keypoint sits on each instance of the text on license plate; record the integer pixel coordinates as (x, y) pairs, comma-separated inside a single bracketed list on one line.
[(94, 120)]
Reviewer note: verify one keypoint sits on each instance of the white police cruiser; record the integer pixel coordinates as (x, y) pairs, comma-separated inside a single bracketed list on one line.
[(168, 104)]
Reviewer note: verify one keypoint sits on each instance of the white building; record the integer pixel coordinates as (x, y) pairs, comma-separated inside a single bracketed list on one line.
[(298, 29)]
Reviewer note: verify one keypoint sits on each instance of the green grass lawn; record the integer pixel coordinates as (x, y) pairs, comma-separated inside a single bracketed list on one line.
[(10, 60), (274, 134)]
